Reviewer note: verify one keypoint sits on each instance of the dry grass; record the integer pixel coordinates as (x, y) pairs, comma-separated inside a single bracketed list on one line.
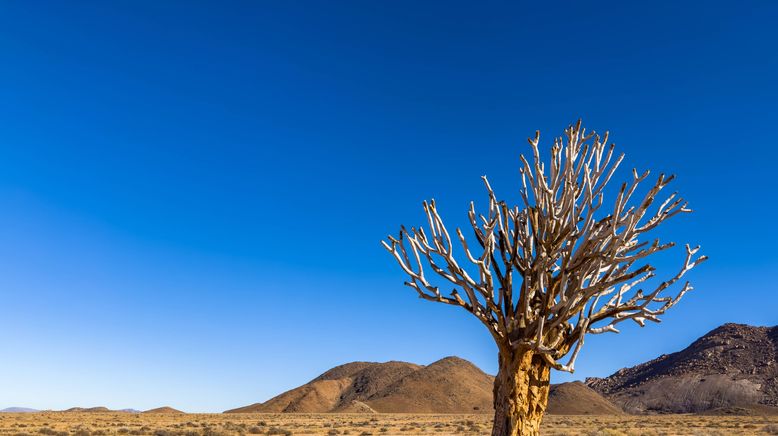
[(95, 424)]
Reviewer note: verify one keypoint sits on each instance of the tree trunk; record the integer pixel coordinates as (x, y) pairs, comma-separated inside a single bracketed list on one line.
[(520, 394)]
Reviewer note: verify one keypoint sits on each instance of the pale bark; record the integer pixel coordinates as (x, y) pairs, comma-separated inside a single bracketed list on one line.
[(521, 390)]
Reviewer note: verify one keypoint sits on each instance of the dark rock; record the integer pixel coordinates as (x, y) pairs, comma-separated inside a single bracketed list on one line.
[(731, 367)]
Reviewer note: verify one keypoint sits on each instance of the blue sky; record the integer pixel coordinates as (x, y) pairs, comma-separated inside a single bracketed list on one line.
[(193, 193)]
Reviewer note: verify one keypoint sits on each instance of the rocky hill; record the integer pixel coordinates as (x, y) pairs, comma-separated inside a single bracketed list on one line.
[(164, 409), (450, 385), (575, 398), (99, 409), (730, 368)]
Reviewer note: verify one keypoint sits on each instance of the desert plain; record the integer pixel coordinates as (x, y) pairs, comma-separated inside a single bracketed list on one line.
[(174, 424)]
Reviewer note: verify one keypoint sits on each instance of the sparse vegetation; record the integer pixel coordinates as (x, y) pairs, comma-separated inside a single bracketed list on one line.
[(771, 429), (69, 424)]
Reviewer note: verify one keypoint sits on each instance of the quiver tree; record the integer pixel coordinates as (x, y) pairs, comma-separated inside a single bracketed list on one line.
[(542, 275)]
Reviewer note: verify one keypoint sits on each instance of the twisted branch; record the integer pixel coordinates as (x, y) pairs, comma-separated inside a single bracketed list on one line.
[(579, 270)]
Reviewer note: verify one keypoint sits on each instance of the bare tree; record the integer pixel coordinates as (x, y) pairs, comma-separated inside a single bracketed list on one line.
[(551, 270)]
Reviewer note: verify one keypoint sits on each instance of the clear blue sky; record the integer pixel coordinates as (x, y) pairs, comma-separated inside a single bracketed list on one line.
[(193, 193)]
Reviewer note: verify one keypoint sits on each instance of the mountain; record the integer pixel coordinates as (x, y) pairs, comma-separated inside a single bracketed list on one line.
[(450, 385), (730, 369), (18, 410), (100, 409), (575, 398), (88, 410), (164, 409), (343, 388)]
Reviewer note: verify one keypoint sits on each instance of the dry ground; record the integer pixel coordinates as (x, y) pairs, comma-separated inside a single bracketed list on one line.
[(88, 424)]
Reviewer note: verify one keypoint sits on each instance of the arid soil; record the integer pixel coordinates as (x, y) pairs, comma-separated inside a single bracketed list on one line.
[(171, 424)]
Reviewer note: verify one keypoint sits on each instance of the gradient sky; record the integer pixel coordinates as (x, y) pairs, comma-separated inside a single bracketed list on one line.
[(193, 193)]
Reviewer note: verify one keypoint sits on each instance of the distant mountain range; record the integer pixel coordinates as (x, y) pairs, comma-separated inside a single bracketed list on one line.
[(99, 409), (730, 370), (18, 410)]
